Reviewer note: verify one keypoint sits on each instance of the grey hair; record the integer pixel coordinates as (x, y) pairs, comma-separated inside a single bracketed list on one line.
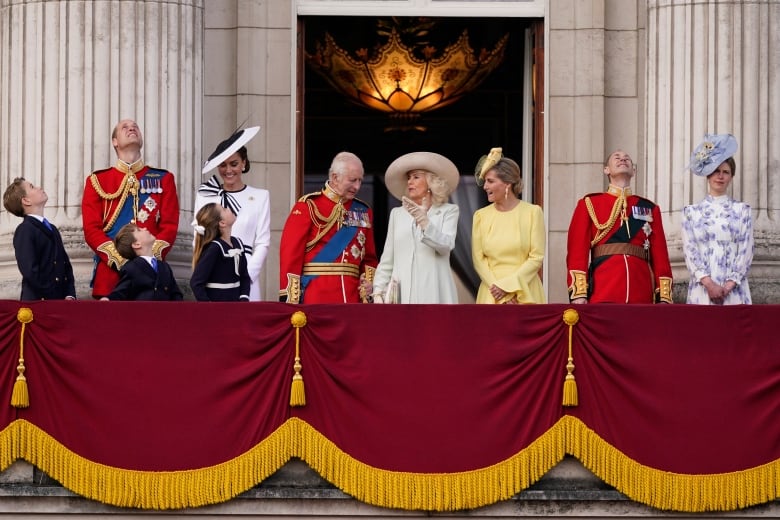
[(341, 160)]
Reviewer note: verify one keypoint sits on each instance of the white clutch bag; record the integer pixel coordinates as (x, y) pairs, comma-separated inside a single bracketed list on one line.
[(392, 292)]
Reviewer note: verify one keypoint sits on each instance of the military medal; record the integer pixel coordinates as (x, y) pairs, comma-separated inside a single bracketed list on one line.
[(641, 213)]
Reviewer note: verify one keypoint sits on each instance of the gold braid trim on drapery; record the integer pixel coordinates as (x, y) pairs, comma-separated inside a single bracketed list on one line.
[(667, 490), (147, 489), (390, 489), (429, 491)]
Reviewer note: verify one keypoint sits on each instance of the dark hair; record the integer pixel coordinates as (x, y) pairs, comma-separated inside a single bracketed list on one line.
[(731, 162), (124, 240), (242, 152), (12, 198)]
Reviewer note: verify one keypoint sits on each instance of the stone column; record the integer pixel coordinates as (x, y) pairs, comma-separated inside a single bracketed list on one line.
[(69, 70), (712, 68)]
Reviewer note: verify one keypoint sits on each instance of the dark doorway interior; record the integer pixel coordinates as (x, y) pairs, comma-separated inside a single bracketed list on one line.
[(490, 116)]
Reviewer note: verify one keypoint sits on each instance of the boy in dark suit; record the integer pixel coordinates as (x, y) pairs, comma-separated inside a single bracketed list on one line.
[(142, 276), (40, 253)]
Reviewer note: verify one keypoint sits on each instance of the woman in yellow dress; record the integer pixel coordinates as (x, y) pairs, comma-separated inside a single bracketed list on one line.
[(508, 236)]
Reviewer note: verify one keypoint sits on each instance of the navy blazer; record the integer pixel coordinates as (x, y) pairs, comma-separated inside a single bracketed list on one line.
[(139, 281), (43, 262)]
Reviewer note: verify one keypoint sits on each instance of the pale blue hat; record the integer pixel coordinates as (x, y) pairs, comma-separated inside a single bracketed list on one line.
[(711, 152)]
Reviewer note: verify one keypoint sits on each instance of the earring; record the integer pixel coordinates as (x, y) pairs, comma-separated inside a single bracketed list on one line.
[(506, 192)]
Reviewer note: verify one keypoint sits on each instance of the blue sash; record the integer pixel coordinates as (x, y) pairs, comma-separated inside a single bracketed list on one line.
[(334, 247), (125, 213)]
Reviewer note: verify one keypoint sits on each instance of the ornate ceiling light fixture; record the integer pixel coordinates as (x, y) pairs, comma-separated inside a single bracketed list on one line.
[(405, 80)]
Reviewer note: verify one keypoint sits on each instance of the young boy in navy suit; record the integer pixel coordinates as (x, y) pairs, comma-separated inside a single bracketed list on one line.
[(40, 253), (142, 276)]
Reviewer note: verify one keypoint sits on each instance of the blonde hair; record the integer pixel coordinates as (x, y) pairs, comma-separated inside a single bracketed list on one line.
[(439, 188), (209, 216), (508, 171)]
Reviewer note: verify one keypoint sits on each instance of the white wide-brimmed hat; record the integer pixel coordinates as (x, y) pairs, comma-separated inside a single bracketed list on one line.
[(395, 176), (229, 146)]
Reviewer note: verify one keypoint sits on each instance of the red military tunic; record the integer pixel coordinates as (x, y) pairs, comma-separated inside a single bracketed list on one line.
[(326, 246), (617, 250), (123, 194)]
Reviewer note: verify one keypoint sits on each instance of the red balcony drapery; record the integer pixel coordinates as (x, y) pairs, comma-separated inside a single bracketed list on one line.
[(165, 405)]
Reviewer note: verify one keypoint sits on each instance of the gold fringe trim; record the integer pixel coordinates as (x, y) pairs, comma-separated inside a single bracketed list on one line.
[(666, 490), (389, 489), (149, 489), (20, 395), (297, 390), (570, 396), (428, 491)]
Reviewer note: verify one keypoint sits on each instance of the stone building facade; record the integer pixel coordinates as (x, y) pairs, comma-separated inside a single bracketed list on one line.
[(647, 76)]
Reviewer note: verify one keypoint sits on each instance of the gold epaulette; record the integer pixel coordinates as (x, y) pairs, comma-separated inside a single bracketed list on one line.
[(114, 258), (306, 197), (158, 247)]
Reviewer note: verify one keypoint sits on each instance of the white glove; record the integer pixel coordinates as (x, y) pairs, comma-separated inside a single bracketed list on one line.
[(378, 298), (419, 213)]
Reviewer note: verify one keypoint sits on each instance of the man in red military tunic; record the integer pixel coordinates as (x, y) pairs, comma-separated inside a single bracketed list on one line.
[(327, 243), (616, 245), (130, 191)]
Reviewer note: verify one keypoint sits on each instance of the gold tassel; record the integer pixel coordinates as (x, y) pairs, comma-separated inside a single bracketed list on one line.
[(20, 397), (297, 391), (570, 398)]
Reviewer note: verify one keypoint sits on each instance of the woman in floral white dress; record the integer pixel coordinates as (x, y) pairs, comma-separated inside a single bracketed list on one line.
[(717, 233)]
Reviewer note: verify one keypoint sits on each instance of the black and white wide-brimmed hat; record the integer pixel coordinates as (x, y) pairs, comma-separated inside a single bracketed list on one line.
[(229, 146)]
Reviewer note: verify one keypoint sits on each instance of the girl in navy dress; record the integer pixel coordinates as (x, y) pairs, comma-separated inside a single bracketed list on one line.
[(219, 266)]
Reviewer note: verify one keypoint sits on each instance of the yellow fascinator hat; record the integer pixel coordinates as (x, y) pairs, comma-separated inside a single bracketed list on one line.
[(486, 162)]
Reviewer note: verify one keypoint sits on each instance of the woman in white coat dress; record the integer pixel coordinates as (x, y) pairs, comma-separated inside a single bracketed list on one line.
[(252, 206), (415, 263)]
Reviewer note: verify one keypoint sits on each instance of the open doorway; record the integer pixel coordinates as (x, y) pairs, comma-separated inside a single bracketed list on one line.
[(499, 112)]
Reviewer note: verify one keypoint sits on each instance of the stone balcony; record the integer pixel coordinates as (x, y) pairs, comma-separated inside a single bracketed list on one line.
[(568, 490)]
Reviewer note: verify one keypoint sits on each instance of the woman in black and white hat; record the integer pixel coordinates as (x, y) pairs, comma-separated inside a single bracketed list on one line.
[(415, 263), (250, 205)]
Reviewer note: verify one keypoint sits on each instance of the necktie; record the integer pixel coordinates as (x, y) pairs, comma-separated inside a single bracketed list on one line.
[(154, 264), (47, 224)]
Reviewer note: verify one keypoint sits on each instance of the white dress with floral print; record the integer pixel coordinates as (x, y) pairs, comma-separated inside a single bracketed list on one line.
[(717, 238)]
